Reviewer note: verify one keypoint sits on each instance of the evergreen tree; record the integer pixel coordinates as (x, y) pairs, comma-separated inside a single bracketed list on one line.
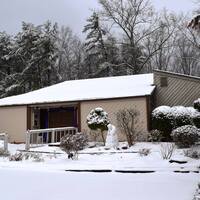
[(95, 44), (5, 48), (34, 55)]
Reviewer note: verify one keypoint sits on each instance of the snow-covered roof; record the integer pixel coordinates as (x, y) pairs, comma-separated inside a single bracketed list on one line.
[(88, 89)]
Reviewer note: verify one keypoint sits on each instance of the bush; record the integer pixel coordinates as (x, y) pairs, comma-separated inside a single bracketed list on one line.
[(182, 115), (144, 152), (166, 119), (185, 136), (26, 156), (163, 120), (196, 120), (36, 157), (192, 153), (3, 152), (167, 150), (155, 136), (16, 157), (71, 144), (128, 122), (197, 104), (98, 120)]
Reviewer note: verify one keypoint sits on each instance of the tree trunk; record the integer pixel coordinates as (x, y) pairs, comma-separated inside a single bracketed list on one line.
[(104, 142)]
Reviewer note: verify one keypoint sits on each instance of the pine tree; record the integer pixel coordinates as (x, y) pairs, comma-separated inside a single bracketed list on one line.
[(32, 60), (95, 44)]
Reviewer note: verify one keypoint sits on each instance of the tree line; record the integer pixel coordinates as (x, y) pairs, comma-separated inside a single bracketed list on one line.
[(123, 37)]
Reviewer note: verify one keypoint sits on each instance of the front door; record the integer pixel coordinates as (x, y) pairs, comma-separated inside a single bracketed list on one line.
[(62, 117)]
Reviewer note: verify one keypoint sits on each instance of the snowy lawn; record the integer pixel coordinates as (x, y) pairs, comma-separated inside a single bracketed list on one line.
[(48, 180), (27, 184)]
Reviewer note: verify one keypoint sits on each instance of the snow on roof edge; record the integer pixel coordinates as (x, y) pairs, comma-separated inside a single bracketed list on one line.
[(144, 87), (78, 100)]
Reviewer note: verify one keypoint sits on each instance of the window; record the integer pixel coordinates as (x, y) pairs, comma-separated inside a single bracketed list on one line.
[(163, 82)]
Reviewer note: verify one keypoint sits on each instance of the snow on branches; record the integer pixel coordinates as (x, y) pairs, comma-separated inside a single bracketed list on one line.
[(98, 120)]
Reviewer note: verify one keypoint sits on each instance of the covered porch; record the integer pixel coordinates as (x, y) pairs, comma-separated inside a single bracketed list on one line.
[(48, 123), (43, 116)]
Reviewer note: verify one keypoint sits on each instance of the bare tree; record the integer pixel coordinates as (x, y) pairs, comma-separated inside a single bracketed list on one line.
[(128, 120), (186, 57), (135, 19), (195, 23), (187, 45), (70, 55), (162, 42)]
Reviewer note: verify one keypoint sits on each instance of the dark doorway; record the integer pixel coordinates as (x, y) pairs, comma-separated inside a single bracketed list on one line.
[(44, 121), (58, 117)]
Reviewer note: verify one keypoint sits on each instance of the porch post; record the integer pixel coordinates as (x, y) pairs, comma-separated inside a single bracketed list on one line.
[(79, 116), (6, 142), (53, 136), (28, 118), (27, 146)]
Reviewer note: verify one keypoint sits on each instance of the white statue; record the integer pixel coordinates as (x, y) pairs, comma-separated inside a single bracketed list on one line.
[(112, 138)]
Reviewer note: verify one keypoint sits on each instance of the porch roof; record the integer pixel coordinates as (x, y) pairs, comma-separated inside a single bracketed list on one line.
[(88, 89)]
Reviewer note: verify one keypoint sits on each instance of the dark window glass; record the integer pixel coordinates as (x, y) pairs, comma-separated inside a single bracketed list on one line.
[(163, 82)]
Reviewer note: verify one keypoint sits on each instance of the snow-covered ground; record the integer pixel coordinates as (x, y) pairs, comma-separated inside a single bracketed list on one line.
[(48, 180), (26, 184)]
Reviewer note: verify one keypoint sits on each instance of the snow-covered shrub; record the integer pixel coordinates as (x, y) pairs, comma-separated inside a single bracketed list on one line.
[(196, 120), (182, 115), (197, 104), (128, 120), (144, 152), (16, 157), (185, 136), (71, 144), (3, 152), (35, 157), (197, 193), (192, 153), (155, 136), (163, 120), (167, 150), (98, 119)]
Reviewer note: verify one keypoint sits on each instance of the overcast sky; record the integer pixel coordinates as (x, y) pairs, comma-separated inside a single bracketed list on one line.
[(72, 13)]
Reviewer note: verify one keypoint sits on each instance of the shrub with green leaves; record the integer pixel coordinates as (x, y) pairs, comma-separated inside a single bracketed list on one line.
[(155, 136), (197, 104), (163, 120), (166, 119), (98, 119), (185, 136), (196, 120), (182, 115)]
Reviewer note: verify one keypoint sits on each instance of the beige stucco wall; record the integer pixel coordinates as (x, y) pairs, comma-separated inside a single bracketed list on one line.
[(13, 121), (181, 90), (111, 107)]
